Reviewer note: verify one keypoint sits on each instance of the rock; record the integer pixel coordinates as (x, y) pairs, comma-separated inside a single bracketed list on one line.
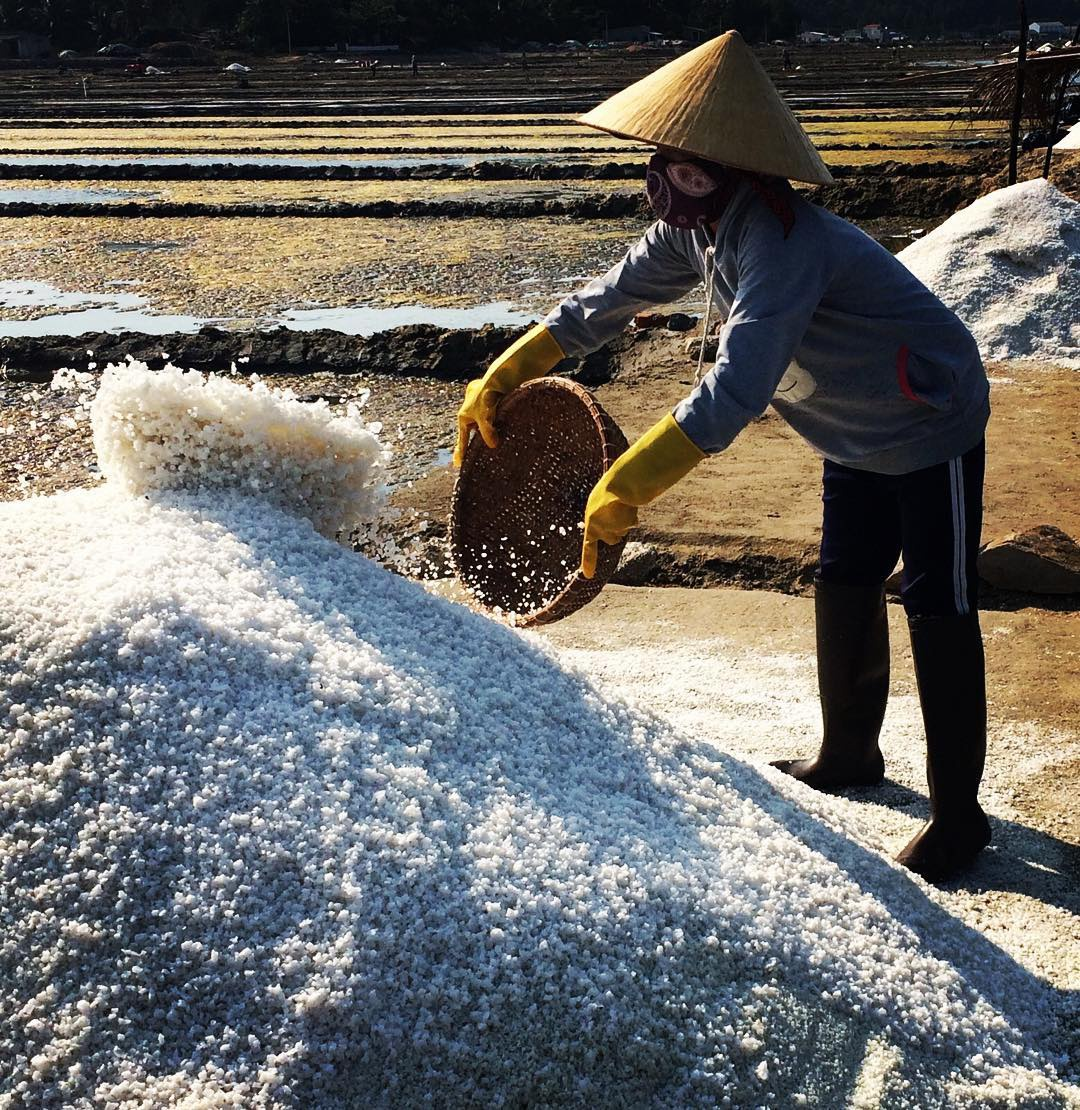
[(596, 368), (637, 564), (1042, 560), (486, 171), (681, 321), (693, 347), (675, 321)]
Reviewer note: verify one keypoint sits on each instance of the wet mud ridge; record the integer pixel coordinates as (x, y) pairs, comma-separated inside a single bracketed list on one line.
[(858, 198), (869, 191), (598, 206), (660, 558), (414, 350)]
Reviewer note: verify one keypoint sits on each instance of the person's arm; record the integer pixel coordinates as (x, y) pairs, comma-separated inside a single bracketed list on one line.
[(656, 270), (653, 271), (780, 284)]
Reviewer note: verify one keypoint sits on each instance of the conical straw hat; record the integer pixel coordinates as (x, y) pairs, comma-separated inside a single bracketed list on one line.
[(716, 102)]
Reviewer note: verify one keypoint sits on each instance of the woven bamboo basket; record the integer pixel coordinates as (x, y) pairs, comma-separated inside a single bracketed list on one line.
[(515, 521)]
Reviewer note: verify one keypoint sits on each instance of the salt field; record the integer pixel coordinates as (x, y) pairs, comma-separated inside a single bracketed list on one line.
[(288, 822)]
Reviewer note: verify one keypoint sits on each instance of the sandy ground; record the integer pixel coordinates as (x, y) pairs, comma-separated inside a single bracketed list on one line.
[(769, 481), (736, 668)]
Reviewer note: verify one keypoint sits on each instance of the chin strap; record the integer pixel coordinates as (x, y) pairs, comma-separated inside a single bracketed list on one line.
[(710, 285)]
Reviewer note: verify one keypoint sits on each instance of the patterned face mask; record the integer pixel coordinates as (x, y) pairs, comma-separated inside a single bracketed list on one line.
[(687, 195), (691, 195)]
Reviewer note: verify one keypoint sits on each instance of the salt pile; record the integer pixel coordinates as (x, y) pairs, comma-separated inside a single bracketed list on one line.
[(281, 829), (1009, 267)]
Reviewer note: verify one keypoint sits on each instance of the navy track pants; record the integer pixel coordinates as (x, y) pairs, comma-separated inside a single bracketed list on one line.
[(932, 516)]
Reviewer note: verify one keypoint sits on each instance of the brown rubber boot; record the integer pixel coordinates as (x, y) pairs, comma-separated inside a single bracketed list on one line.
[(950, 672), (853, 680)]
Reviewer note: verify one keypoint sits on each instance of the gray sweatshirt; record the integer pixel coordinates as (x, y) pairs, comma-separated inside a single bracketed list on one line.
[(849, 347)]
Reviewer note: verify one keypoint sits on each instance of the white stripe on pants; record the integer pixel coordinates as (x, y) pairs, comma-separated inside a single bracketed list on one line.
[(960, 583)]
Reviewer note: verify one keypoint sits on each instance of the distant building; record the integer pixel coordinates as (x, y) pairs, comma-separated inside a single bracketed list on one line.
[(629, 34), (1049, 29), (853, 35), (874, 32), (811, 38), (25, 45)]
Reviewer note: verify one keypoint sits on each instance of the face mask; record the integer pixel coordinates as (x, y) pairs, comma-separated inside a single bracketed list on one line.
[(686, 195)]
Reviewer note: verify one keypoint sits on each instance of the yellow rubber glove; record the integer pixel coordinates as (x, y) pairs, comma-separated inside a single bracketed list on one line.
[(532, 356), (662, 456)]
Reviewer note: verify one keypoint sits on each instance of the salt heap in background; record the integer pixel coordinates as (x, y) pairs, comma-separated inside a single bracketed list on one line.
[(1009, 267), (281, 829)]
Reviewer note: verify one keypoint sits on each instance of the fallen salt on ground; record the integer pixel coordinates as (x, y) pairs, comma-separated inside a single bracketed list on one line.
[(1009, 266), (283, 828)]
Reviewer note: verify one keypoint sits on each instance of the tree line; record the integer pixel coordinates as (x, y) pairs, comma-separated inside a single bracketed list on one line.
[(431, 24)]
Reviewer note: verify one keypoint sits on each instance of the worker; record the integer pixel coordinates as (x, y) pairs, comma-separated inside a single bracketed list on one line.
[(859, 357)]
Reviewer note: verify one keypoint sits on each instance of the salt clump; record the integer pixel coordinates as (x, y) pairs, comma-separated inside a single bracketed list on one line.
[(1009, 266), (178, 429), (281, 829)]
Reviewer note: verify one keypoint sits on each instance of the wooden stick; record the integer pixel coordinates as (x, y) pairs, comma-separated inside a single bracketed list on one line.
[(1018, 107), (1032, 60)]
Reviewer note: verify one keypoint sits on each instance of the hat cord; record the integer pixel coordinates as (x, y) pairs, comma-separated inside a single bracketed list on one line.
[(710, 256)]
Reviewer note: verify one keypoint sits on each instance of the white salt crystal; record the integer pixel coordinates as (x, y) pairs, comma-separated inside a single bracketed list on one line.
[(1009, 266)]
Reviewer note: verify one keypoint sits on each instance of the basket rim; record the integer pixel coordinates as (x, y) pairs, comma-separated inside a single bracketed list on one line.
[(610, 435)]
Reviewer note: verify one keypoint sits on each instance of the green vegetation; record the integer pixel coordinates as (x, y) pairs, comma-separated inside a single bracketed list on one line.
[(428, 24)]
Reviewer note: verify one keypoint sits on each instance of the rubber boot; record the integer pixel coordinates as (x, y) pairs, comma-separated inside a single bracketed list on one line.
[(950, 672), (853, 681)]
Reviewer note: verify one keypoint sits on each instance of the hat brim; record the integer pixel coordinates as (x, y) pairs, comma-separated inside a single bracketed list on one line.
[(699, 154)]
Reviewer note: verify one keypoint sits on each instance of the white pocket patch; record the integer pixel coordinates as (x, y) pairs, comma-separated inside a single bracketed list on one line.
[(796, 385)]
